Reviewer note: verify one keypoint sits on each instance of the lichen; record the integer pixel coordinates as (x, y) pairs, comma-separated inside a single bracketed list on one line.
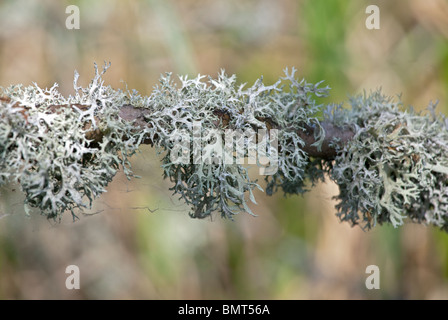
[(44, 145), (395, 167), (63, 152), (221, 104)]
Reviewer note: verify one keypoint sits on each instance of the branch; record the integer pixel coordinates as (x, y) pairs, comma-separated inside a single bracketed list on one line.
[(341, 134)]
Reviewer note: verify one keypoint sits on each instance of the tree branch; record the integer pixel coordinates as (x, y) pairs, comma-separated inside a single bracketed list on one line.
[(338, 135)]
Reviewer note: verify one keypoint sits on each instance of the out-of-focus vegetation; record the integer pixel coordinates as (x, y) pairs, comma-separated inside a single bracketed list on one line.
[(295, 248)]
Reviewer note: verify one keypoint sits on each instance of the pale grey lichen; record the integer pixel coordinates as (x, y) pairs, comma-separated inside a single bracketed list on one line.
[(63, 152), (221, 104), (44, 146), (296, 110), (206, 186), (395, 167)]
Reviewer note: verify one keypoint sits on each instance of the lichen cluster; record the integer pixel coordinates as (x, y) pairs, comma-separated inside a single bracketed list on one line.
[(44, 145), (396, 166), (63, 152), (295, 110), (206, 186), (221, 104)]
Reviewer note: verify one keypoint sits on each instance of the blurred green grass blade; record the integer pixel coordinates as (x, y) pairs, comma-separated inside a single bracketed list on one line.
[(175, 38)]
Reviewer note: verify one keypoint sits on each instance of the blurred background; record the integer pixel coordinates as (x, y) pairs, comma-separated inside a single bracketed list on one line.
[(295, 248)]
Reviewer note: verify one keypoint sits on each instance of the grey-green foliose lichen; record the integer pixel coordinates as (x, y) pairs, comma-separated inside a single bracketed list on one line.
[(396, 165), (64, 151), (44, 145), (221, 103)]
